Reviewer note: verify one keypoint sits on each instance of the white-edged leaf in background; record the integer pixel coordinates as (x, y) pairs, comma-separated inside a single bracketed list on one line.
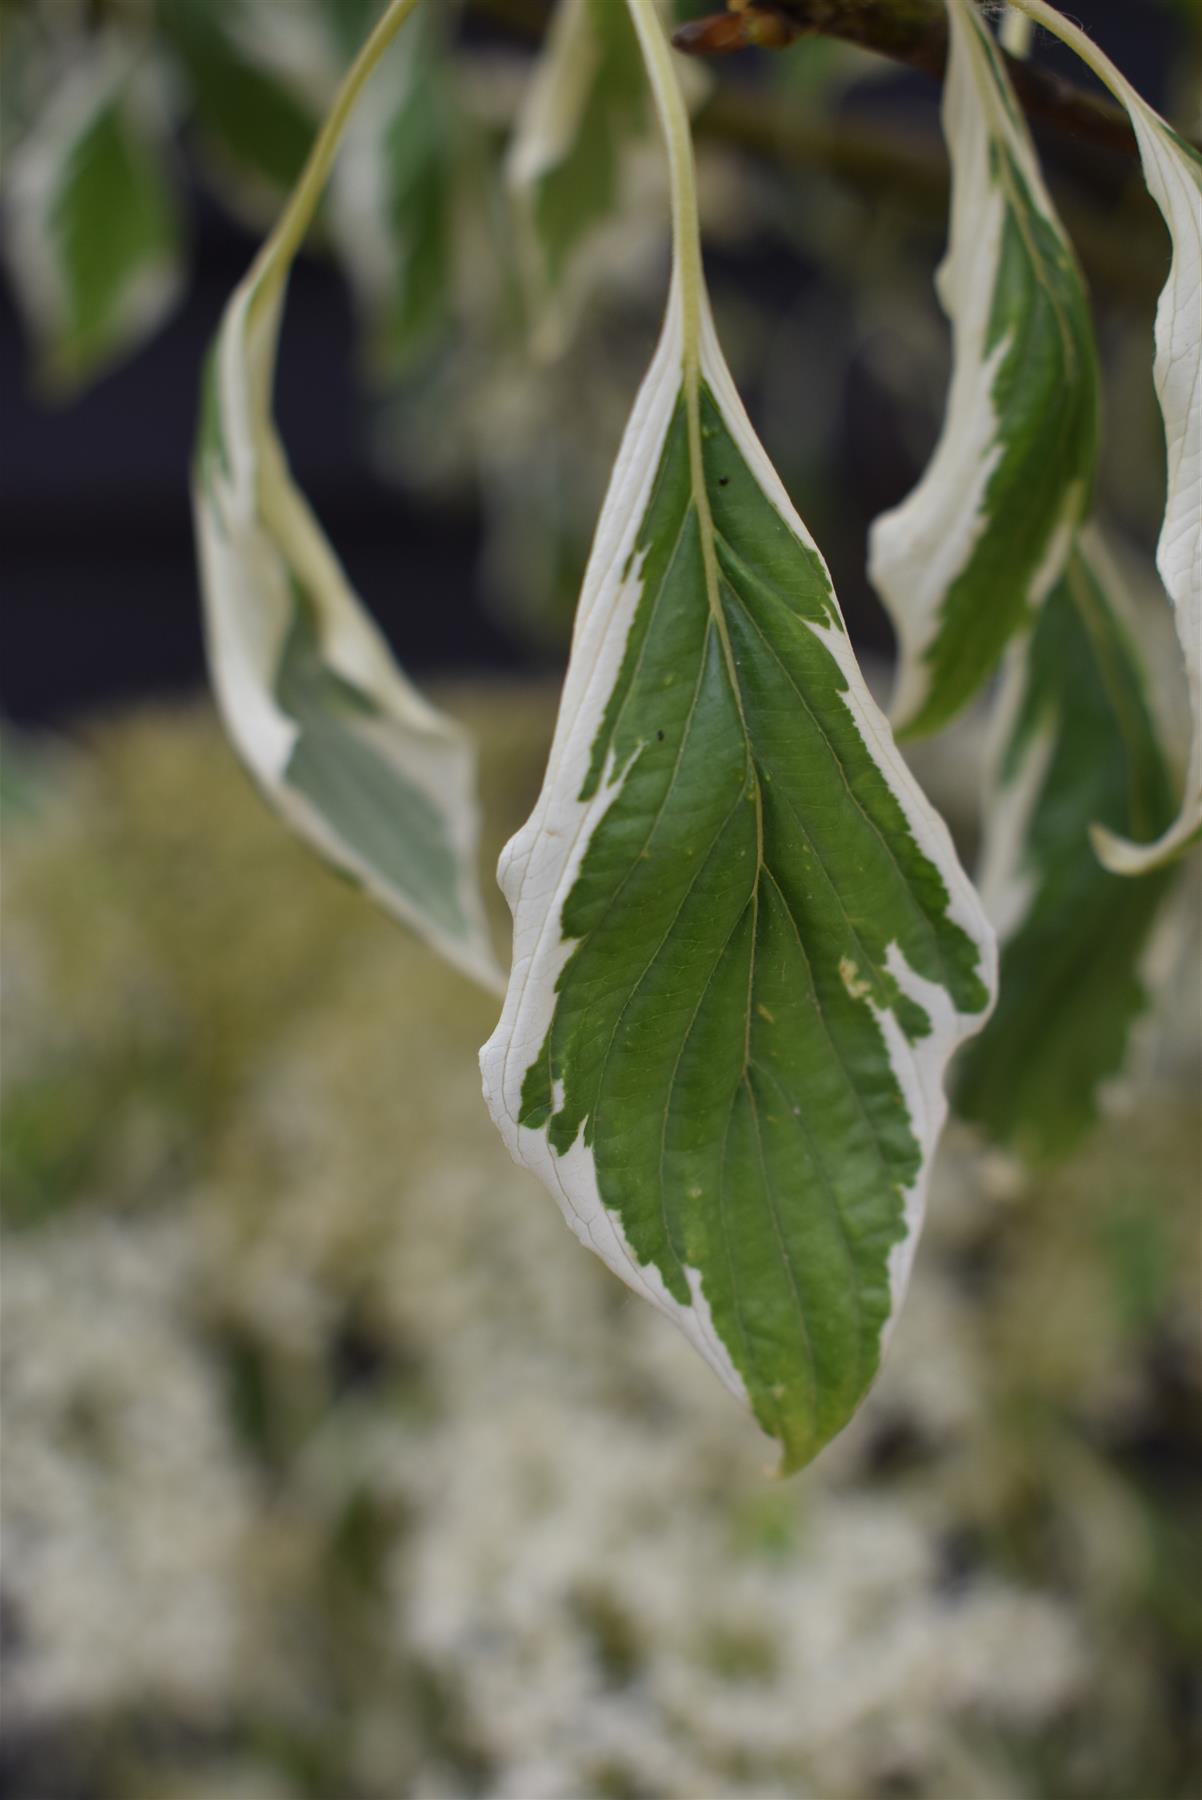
[(257, 126), (337, 738), (585, 108), (393, 196), (1077, 744), (94, 234), (744, 948), (1173, 171), (985, 535)]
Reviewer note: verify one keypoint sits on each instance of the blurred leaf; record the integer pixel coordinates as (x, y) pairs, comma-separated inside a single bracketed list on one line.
[(392, 211), (1078, 745), (986, 533), (255, 123), (585, 102), (337, 737), (94, 232), (349, 22)]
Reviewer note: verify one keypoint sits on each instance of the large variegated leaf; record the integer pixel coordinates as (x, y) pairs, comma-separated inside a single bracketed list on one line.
[(1173, 172), (744, 949), (986, 533), (1077, 744), (93, 224), (337, 738), (586, 101)]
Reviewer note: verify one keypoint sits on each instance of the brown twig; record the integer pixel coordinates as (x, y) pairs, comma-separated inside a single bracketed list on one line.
[(914, 32)]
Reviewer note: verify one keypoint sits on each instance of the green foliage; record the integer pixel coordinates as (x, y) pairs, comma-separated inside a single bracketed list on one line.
[(95, 226), (1072, 982), (745, 951), (745, 917), (250, 118), (964, 560)]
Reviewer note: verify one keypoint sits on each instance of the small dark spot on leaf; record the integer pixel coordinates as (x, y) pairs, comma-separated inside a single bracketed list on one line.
[(659, 736), (723, 480)]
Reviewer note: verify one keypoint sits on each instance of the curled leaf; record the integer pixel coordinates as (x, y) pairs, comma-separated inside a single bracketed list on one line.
[(338, 739)]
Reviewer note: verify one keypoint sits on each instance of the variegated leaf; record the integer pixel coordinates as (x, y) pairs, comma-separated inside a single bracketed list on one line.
[(1173, 172), (93, 223), (337, 738), (1076, 744), (985, 535), (585, 106), (744, 948), (258, 125), (392, 199)]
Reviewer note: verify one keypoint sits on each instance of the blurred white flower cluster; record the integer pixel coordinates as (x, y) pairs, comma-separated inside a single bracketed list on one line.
[(334, 1468)]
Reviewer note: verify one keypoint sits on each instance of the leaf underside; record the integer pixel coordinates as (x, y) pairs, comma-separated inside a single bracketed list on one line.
[(378, 782), (731, 1029)]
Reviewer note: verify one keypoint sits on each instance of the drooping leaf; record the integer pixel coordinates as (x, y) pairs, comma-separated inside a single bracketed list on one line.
[(981, 540), (1173, 171), (257, 124), (1078, 744), (392, 204), (94, 228), (336, 736), (744, 949), (586, 104)]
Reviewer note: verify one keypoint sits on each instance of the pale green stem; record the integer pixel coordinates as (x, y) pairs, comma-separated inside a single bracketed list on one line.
[(678, 138), (273, 261)]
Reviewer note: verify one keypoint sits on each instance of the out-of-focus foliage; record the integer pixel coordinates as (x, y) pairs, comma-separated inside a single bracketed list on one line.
[(311, 1490), (1077, 748), (334, 732), (312, 1487)]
